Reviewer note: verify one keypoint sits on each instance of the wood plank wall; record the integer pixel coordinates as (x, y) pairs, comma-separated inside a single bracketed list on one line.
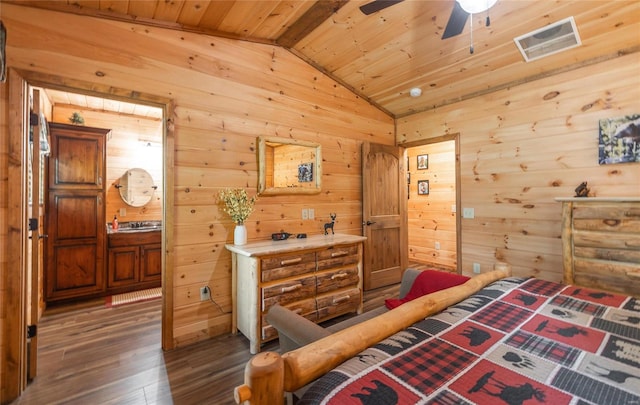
[(226, 93), (523, 146), (430, 217)]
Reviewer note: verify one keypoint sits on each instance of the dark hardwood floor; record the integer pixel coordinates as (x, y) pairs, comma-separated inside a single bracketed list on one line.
[(89, 354)]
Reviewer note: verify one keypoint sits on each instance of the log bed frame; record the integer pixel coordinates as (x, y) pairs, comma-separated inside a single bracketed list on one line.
[(268, 375)]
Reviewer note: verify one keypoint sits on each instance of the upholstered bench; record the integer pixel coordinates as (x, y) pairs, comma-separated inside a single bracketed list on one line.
[(295, 330)]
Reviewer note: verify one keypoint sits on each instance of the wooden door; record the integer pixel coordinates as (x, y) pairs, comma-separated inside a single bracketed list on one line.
[(384, 216), (35, 238), (75, 214)]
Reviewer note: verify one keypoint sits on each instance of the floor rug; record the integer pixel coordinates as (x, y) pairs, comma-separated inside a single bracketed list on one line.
[(134, 296)]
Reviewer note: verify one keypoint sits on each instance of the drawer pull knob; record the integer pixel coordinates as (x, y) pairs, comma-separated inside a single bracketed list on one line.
[(290, 261), (339, 254), (339, 275), (632, 213), (291, 288), (341, 299)]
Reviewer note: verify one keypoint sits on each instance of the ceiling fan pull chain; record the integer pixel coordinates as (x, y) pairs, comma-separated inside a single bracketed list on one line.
[(471, 33)]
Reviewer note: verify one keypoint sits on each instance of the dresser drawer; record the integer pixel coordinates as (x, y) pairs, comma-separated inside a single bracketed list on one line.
[(283, 266), (337, 279), (306, 308), (338, 303), (338, 256), (288, 291)]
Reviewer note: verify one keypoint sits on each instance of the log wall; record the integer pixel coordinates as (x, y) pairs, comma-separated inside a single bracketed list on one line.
[(521, 147)]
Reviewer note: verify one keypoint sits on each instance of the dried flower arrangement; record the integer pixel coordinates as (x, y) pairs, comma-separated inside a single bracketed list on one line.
[(237, 204)]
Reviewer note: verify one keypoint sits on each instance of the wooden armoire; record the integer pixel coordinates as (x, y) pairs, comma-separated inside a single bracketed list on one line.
[(75, 213)]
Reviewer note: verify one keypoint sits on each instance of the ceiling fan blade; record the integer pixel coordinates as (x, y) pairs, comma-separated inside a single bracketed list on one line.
[(457, 21), (377, 5)]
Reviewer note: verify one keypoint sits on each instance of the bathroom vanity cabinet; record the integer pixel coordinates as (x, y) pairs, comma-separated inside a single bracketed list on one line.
[(134, 260)]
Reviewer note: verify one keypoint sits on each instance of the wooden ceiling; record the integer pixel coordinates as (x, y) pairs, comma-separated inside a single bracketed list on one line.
[(383, 55)]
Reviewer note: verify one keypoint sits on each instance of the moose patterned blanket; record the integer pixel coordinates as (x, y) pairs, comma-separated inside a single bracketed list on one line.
[(517, 341)]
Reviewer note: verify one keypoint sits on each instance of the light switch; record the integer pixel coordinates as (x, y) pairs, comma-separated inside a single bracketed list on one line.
[(123, 212)]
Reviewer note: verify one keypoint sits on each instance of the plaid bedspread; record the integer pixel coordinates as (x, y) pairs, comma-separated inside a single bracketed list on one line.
[(518, 341)]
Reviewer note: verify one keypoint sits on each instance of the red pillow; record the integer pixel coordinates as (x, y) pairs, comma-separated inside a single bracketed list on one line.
[(427, 282)]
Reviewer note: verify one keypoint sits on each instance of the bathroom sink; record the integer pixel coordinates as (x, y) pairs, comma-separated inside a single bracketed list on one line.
[(136, 227), (140, 229)]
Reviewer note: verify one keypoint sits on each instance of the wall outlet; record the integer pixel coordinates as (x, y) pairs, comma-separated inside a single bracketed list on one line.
[(204, 293), (312, 213), (468, 213), (476, 268), (305, 213), (437, 245)]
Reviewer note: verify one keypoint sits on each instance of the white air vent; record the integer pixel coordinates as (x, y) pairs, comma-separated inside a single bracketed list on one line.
[(551, 39)]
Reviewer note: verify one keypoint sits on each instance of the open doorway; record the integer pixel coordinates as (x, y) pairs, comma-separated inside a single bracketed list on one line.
[(105, 168), (20, 87), (433, 197)]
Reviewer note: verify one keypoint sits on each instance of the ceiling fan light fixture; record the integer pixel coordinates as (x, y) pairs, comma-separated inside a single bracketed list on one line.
[(415, 92), (476, 6)]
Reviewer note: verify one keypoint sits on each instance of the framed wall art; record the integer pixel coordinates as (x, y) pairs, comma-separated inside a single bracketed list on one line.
[(423, 162), (619, 140), (423, 187), (305, 172)]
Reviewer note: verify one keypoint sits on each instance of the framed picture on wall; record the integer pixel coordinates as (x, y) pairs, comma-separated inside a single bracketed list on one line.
[(423, 162), (423, 187), (619, 140), (305, 172)]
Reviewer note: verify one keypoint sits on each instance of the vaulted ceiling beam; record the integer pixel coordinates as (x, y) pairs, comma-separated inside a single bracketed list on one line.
[(309, 21)]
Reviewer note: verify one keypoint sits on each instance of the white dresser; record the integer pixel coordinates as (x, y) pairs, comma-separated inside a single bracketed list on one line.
[(319, 277)]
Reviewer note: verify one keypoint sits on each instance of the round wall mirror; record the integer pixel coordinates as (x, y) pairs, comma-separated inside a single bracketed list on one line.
[(136, 187)]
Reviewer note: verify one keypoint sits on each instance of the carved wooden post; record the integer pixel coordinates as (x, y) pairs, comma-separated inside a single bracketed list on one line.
[(263, 380)]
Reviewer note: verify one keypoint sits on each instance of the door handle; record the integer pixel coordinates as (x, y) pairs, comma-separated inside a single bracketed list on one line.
[(368, 223)]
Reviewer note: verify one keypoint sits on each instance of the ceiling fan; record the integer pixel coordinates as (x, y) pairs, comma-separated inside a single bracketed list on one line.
[(457, 19)]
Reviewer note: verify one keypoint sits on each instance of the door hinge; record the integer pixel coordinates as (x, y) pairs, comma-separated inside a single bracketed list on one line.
[(33, 119), (33, 224), (32, 331)]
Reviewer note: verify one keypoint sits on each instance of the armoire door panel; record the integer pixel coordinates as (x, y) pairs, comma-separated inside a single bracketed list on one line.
[(76, 216), (77, 157), (75, 250)]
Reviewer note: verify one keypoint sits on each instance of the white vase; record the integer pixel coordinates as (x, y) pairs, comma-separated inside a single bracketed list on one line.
[(240, 235)]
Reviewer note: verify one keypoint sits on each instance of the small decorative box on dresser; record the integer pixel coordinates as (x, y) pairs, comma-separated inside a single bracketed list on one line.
[(319, 277), (601, 243)]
